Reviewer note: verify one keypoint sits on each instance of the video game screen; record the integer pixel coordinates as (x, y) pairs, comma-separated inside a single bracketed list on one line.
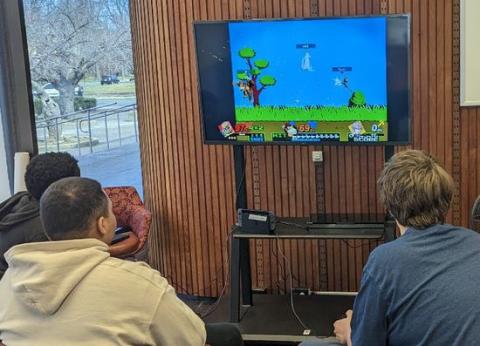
[(301, 81)]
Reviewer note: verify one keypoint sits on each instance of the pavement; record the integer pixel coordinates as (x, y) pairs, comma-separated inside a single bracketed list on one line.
[(117, 101), (117, 167)]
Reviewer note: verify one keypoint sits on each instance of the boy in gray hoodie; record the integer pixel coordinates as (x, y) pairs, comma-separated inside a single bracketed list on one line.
[(19, 215)]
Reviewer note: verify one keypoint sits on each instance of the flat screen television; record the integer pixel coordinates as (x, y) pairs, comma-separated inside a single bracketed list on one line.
[(341, 80)]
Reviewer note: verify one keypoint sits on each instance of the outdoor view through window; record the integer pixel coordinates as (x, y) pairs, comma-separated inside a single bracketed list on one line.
[(83, 85)]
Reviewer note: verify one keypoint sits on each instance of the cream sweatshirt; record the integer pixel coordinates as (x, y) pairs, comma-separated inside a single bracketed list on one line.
[(73, 293)]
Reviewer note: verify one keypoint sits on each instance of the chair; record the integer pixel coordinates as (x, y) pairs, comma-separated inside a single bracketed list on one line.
[(475, 215), (130, 212)]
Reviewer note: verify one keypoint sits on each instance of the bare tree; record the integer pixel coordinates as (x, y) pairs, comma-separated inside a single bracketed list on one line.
[(66, 38)]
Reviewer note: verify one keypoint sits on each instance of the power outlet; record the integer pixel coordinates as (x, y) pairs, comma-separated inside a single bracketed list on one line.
[(259, 290), (317, 156), (301, 291)]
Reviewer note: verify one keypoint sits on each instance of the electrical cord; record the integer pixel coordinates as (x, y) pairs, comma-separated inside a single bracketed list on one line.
[(292, 224), (225, 283), (292, 305), (216, 277), (224, 265), (306, 227), (242, 181), (362, 244), (282, 277)]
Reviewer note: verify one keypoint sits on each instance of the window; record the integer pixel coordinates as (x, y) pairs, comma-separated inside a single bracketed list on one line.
[(83, 85), (4, 182)]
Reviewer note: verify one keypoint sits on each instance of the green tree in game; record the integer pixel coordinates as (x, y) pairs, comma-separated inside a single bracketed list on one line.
[(248, 78), (357, 99)]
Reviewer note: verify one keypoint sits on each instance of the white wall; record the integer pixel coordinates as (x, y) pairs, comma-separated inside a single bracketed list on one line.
[(470, 53), (4, 186)]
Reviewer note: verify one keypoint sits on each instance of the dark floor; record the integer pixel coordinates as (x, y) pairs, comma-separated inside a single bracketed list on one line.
[(270, 320)]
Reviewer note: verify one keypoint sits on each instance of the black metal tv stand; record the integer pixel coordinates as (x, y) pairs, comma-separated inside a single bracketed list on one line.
[(287, 228), (324, 227), (354, 225)]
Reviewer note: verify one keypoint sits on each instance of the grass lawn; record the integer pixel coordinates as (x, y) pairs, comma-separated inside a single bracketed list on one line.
[(319, 113), (95, 89)]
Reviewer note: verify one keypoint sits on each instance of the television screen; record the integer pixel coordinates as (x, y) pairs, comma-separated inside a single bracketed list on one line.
[(328, 80)]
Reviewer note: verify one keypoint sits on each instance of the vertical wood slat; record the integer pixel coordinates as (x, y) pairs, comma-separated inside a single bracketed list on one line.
[(190, 186)]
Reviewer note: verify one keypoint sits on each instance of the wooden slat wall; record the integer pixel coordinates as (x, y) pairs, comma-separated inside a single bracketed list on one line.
[(469, 138), (190, 186)]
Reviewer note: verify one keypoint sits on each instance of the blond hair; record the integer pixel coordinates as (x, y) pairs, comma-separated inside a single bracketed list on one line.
[(415, 189)]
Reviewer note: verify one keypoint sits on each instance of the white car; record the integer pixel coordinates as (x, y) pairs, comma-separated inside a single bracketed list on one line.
[(52, 92)]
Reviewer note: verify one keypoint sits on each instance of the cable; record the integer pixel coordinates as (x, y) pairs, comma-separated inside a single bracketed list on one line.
[(362, 244), (242, 180), (293, 224), (306, 227), (210, 284), (282, 277), (215, 278), (225, 284), (292, 305)]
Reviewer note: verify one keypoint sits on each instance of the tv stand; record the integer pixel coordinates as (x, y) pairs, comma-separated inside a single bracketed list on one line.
[(357, 230), (324, 226), (289, 228)]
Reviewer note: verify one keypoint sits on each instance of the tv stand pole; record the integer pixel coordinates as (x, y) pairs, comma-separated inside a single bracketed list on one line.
[(240, 249), (389, 151), (389, 235)]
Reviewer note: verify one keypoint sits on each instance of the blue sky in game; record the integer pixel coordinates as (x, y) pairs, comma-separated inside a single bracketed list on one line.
[(303, 55)]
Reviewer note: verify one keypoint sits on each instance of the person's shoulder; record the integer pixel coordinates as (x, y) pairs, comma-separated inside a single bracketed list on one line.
[(387, 255), (387, 250), (466, 232), (137, 272)]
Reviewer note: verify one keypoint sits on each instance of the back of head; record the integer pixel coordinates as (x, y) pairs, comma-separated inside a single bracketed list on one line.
[(415, 189), (70, 207), (45, 169)]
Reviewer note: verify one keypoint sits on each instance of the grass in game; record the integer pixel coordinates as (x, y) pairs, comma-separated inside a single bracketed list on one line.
[(319, 113)]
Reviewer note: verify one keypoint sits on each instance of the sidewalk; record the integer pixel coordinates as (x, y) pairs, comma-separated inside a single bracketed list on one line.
[(119, 166)]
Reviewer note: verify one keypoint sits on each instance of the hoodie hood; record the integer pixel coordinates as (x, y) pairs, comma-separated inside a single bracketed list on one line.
[(17, 209), (42, 275)]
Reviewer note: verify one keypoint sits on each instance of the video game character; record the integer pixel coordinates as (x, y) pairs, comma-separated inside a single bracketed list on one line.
[(290, 129), (247, 88), (226, 129), (356, 128)]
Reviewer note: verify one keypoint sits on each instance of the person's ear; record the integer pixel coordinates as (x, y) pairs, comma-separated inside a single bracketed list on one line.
[(102, 226)]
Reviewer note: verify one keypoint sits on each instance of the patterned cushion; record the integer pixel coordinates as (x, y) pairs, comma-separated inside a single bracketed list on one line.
[(475, 215), (130, 211)]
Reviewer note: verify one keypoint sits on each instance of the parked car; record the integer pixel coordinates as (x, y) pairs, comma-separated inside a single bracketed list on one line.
[(52, 92), (109, 79)]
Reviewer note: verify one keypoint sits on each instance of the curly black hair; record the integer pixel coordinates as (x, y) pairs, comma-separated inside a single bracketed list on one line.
[(45, 169)]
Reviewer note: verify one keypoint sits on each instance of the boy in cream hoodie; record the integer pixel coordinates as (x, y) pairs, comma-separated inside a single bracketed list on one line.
[(69, 291)]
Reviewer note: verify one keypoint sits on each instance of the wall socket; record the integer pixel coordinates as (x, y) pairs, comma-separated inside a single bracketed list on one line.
[(317, 156), (300, 291)]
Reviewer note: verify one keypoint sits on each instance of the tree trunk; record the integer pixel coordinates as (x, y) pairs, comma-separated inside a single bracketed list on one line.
[(255, 92), (256, 97), (67, 95)]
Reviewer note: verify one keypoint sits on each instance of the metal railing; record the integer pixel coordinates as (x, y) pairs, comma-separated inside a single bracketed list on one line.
[(98, 125)]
